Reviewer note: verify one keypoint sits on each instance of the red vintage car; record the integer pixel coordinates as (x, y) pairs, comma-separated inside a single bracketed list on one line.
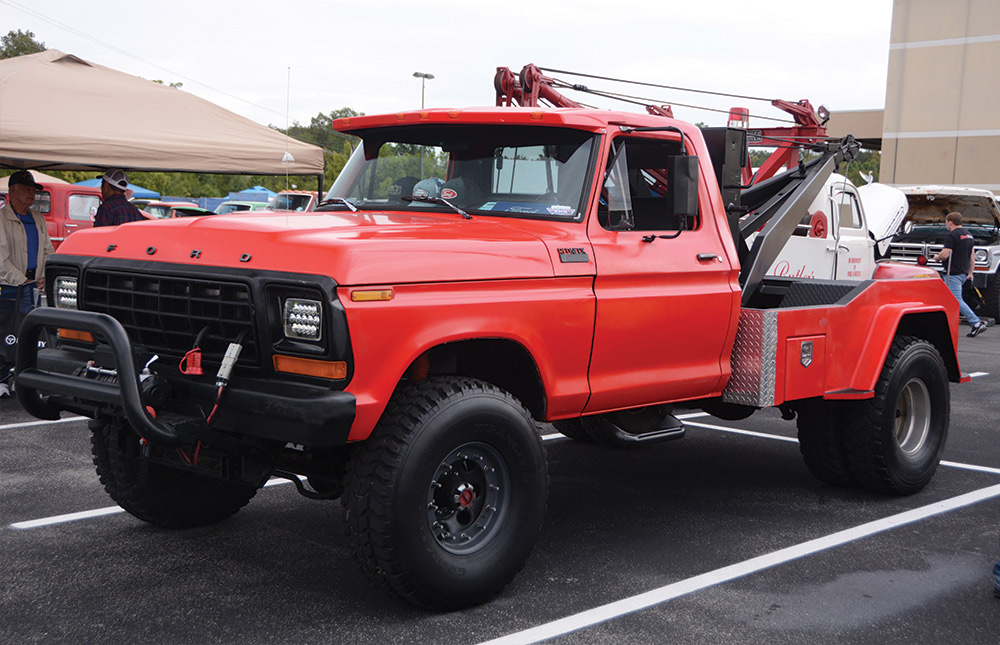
[(67, 208)]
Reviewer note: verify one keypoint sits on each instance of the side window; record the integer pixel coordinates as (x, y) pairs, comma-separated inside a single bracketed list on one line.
[(638, 192), (83, 207), (847, 205), (43, 202)]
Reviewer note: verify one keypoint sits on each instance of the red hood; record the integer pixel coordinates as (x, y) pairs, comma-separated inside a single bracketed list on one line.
[(352, 248)]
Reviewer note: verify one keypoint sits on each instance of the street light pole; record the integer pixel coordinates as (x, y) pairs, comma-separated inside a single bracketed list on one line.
[(423, 78)]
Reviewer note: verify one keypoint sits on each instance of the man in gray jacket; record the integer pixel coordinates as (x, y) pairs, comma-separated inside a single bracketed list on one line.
[(24, 247)]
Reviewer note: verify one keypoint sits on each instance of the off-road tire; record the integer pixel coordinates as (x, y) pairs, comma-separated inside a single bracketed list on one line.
[(158, 494), (894, 441), (821, 442), (401, 524)]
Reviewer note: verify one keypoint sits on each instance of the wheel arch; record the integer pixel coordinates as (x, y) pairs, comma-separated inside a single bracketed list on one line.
[(931, 326), (502, 362)]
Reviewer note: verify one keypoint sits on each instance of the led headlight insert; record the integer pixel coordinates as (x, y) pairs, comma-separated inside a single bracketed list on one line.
[(66, 289), (303, 319)]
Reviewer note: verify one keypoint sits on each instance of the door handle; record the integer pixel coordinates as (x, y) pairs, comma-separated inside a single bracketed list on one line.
[(708, 256)]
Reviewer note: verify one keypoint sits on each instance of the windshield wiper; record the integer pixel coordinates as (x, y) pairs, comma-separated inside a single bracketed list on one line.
[(438, 200), (340, 200)]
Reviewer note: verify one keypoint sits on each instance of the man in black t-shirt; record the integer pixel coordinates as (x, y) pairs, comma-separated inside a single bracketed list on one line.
[(958, 257)]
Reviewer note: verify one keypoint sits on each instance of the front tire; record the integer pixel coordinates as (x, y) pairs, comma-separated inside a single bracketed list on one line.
[(158, 494), (445, 500), (894, 441)]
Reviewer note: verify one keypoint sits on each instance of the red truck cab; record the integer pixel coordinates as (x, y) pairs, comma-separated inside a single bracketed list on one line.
[(67, 208)]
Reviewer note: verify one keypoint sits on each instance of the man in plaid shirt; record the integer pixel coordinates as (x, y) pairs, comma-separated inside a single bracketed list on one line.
[(116, 208)]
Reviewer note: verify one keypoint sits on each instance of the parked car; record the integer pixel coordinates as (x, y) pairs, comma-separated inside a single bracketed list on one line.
[(190, 211), (295, 200), (233, 206), (163, 210)]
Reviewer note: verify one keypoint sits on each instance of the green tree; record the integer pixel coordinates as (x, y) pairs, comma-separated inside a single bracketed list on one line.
[(868, 162), (19, 43)]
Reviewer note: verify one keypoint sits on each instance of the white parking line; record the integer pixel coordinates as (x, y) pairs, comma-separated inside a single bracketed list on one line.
[(669, 592), (28, 424), (69, 517), (749, 433), (98, 512)]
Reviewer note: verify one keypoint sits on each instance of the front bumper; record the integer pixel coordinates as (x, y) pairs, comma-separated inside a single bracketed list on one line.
[(47, 383)]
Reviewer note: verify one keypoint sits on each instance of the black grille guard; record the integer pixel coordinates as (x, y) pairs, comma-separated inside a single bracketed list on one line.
[(125, 392)]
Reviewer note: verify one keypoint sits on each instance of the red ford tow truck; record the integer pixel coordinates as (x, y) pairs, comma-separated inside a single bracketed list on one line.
[(399, 349)]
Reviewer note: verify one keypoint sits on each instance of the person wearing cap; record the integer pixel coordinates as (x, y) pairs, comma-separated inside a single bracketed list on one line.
[(24, 240), (115, 208), (24, 246)]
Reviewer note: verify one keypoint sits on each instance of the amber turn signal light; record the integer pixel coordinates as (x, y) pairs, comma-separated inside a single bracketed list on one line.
[(72, 334), (335, 370)]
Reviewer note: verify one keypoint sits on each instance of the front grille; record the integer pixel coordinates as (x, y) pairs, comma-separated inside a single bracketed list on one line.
[(905, 252), (165, 313)]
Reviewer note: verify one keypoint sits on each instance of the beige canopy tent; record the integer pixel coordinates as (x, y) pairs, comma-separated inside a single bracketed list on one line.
[(59, 112), (39, 176)]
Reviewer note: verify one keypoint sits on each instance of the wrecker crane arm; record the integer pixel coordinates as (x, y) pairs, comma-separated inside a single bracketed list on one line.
[(776, 206)]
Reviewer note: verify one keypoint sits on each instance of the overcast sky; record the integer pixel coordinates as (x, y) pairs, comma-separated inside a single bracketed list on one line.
[(246, 55)]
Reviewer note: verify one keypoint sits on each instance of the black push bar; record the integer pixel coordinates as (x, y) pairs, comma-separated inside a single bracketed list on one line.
[(30, 379)]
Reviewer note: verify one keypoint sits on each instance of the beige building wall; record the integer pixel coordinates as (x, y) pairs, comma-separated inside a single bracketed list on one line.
[(942, 105)]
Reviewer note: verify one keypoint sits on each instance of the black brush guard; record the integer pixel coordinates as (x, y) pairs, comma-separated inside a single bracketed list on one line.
[(298, 413)]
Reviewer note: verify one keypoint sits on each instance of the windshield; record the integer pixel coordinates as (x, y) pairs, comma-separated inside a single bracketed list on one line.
[(158, 210), (229, 207), (286, 202), (527, 171)]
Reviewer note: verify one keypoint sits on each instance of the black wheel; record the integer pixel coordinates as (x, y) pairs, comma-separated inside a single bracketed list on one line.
[(445, 500), (156, 493), (992, 298), (573, 428), (894, 441), (820, 425)]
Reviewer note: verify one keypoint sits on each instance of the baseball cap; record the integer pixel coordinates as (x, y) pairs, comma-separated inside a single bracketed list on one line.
[(23, 178), (116, 178)]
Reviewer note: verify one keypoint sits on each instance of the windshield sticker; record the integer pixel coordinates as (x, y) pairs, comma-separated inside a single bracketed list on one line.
[(448, 193), (517, 207), (488, 206), (558, 209)]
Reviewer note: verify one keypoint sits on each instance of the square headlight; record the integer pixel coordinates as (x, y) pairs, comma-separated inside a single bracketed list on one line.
[(65, 292), (303, 319)]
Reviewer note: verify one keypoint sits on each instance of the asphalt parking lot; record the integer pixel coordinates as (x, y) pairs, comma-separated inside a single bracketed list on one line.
[(721, 537)]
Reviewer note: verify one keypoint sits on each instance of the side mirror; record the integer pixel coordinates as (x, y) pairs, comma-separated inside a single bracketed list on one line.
[(682, 191)]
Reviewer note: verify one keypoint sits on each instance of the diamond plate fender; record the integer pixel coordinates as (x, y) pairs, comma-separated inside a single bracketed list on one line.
[(754, 359)]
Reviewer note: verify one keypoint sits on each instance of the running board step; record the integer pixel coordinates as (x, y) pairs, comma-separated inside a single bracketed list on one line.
[(608, 432)]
